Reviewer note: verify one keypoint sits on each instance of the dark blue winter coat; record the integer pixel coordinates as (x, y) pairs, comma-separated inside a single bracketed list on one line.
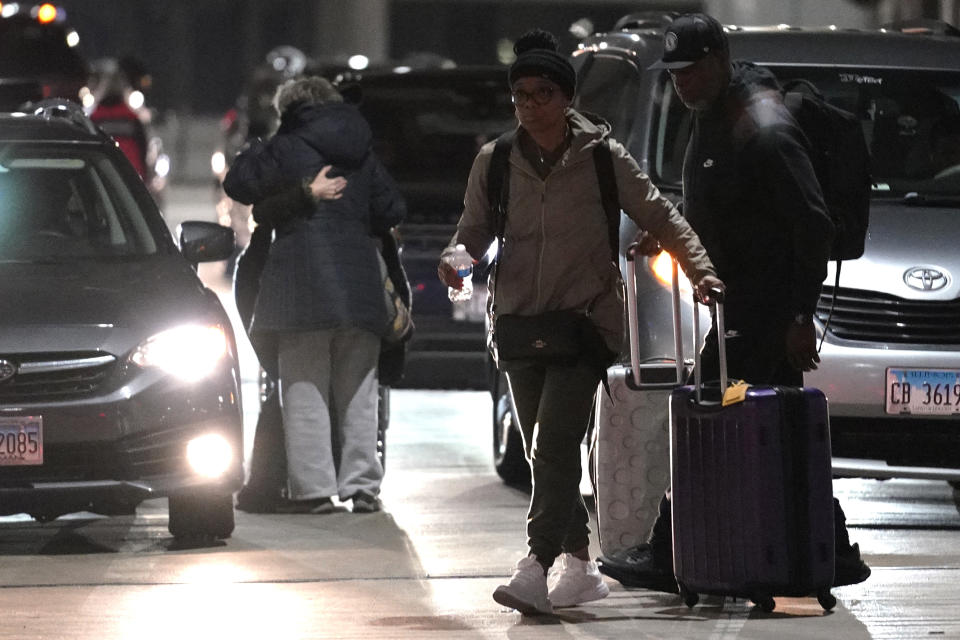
[(322, 271)]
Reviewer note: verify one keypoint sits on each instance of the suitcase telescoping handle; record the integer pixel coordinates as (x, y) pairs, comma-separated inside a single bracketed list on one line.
[(632, 321), (717, 295)]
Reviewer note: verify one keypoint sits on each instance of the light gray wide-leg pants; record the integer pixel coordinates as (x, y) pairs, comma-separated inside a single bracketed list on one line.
[(328, 393)]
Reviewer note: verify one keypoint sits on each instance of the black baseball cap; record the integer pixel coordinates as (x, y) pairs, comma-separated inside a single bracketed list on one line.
[(688, 39)]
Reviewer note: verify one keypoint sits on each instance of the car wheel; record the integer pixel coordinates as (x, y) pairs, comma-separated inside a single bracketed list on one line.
[(508, 455), (383, 421), (202, 513)]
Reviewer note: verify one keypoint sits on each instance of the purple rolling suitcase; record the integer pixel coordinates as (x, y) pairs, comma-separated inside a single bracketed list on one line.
[(752, 492)]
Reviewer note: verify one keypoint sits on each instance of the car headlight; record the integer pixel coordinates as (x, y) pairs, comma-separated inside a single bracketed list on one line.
[(190, 352), (209, 455)]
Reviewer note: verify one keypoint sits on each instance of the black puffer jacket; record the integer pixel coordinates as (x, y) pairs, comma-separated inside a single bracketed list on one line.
[(322, 271), (751, 195)]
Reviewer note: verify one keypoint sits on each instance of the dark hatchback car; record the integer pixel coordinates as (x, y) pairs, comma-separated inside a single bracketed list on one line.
[(428, 125), (39, 58), (119, 379)]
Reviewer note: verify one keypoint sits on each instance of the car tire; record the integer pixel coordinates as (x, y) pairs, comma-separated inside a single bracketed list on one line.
[(383, 421), (509, 459), (955, 484), (202, 513)]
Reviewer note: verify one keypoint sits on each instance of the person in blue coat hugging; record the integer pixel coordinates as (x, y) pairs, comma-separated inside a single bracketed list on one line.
[(321, 300)]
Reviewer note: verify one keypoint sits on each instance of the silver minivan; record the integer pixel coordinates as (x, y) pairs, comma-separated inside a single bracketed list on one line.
[(891, 350)]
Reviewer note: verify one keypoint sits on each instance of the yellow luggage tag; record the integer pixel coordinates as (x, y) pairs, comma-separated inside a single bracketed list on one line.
[(737, 392)]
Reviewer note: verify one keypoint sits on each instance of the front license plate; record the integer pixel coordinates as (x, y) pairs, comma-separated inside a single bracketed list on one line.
[(923, 391), (21, 440)]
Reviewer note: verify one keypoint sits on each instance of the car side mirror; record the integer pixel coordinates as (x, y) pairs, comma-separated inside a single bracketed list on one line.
[(205, 241)]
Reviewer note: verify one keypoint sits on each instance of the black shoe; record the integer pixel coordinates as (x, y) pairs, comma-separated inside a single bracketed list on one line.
[(254, 501), (365, 503), (849, 567), (313, 505), (639, 567)]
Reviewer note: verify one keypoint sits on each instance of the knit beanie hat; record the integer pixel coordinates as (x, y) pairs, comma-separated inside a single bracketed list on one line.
[(537, 56)]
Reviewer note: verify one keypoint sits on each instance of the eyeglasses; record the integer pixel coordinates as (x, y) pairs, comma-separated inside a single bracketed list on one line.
[(540, 96)]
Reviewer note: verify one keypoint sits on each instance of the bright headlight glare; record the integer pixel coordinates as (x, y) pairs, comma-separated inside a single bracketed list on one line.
[(162, 165), (136, 99), (218, 163), (190, 353), (209, 455), (661, 268)]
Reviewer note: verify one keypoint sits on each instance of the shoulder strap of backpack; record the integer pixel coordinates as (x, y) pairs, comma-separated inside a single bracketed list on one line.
[(603, 161), (498, 194), (498, 182), (793, 92)]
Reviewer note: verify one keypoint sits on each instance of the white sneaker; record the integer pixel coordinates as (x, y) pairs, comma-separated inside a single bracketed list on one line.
[(527, 590), (577, 581)]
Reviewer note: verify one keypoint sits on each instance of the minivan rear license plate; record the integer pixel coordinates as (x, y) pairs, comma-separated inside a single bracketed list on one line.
[(21, 440), (923, 391)]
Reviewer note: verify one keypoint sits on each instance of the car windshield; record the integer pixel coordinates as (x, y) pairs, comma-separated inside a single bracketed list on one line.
[(62, 204), (910, 118), (427, 133)]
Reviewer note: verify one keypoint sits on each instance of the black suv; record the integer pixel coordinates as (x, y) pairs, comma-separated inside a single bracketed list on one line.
[(894, 325), (38, 59), (428, 126), (119, 378)]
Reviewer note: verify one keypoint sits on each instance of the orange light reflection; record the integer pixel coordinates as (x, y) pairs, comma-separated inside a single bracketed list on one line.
[(660, 266), (46, 13)]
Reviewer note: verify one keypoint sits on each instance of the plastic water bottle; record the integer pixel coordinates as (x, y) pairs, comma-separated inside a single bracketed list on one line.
[(463, 263)]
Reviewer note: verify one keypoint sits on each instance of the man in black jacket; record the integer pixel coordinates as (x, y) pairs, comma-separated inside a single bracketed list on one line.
[(751, 195)]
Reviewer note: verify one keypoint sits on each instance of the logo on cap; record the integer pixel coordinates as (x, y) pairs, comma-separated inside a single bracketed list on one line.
[(670, 41)]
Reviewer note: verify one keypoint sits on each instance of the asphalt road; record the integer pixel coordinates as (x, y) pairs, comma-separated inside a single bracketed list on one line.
[(425, 567)]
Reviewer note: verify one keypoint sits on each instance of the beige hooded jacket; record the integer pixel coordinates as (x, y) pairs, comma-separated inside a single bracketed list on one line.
[(556, 249)]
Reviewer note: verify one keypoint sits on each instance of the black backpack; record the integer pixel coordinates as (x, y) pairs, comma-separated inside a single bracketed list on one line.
[(841, 161), (498, 189)]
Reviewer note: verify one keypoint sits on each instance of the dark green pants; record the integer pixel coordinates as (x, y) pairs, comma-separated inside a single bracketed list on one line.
[(553, 404)]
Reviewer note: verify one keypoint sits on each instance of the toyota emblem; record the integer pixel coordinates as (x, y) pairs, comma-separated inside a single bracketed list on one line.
[(925, 278), (7, 369)]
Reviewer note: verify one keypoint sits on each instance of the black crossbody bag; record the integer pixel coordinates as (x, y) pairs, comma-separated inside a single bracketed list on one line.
[(552, 336)]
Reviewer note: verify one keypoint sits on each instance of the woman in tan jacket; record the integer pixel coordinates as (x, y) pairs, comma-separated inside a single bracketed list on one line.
[(556, 255)]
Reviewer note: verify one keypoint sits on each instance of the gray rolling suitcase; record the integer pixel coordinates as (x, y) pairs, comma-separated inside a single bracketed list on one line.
[(631, 437)]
